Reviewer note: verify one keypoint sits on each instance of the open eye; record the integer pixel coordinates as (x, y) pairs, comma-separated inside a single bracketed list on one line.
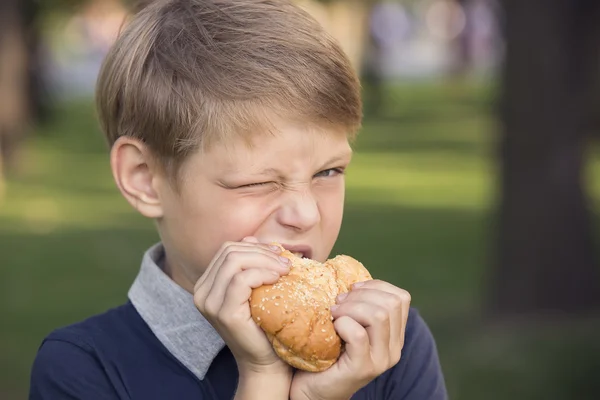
[(329, 173)]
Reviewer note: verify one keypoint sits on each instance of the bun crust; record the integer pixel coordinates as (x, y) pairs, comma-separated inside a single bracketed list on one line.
[(295, 311)]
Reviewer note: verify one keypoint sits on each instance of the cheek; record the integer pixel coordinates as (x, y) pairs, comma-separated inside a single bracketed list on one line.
[(198, 229), (239, 216), (331, 205)]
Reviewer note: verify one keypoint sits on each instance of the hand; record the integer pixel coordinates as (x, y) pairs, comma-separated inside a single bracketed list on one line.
[(371, 320), (222, 295)]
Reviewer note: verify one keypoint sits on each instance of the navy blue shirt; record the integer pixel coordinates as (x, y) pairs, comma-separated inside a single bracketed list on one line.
[(116, 356)]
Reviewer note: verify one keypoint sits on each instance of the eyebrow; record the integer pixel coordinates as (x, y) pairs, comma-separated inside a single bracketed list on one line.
[(344, 157), (341, 157)]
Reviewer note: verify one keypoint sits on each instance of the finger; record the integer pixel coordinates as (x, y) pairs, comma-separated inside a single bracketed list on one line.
[(237, 261), (210, 273), (394, 305), (250, 239), (206, 281), (399, 303), (383, 286), (376, 321), (240, 287), (357, 348), (227, 247), (234, 320)]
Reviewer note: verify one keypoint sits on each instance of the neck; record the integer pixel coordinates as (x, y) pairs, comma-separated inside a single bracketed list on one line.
[(177, 275)]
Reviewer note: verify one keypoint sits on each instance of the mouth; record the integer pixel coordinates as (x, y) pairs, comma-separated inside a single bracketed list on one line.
[(302, 251)]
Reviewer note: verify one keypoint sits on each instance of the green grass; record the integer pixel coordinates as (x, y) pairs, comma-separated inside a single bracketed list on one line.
[(419, 205)]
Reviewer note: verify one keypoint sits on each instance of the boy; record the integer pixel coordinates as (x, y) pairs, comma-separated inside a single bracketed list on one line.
[(229, 123)]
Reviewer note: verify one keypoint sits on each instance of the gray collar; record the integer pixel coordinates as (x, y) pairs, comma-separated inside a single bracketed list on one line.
[(170, 313)]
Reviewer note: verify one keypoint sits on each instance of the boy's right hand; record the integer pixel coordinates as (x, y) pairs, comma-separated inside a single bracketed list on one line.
[(222, 295)]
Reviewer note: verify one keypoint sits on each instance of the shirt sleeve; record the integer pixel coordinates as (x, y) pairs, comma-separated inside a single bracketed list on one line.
[(64, 370), (420, 377)]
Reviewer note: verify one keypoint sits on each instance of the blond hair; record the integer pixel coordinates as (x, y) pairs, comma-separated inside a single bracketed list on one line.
[(184, 74)]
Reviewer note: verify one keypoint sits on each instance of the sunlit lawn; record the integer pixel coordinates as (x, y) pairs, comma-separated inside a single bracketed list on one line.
[(419, 203)]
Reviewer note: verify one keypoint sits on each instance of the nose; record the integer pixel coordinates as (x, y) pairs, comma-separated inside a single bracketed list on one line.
[(299, 210)]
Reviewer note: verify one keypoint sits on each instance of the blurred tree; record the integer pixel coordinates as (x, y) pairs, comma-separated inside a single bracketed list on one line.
[(63, 5), (462, 48), (545, 255), (15, 61), (23, 95), (23, 98)]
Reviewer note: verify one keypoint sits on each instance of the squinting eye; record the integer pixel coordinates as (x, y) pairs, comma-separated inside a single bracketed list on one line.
[(329, 173), (253, 185)]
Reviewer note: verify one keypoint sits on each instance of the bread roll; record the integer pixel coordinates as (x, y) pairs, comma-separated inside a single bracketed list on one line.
[(295, 311)]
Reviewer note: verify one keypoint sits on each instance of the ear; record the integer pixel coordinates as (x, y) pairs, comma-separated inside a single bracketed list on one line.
[(137, 176)]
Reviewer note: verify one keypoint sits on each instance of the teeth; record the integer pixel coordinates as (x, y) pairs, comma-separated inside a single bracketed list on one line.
[(298, 254)]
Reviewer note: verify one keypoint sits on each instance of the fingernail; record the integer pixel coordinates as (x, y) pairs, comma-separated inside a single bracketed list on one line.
[(285, 260), (275, 248), (334, 307), (358, 284), (342, 296)]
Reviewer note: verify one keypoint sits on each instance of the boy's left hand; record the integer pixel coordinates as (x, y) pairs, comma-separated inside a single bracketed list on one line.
[(371, 320)]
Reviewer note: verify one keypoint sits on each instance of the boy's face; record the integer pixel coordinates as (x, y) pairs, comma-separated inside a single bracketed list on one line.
[(288, 188)]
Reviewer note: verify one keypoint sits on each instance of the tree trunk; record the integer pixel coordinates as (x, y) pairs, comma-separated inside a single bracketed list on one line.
[(14, 82), (463, 58), (545, 261)]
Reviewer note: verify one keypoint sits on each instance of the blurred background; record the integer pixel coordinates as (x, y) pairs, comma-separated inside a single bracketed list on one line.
[(475, 186)]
